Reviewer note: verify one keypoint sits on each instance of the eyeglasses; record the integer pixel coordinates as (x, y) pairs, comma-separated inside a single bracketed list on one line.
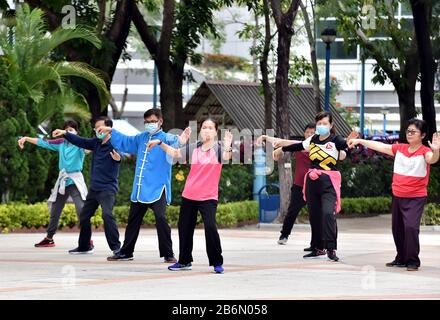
[(411, 132), (151, 121)]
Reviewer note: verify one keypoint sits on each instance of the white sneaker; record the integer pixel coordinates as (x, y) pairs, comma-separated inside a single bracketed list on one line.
[(283, 240)]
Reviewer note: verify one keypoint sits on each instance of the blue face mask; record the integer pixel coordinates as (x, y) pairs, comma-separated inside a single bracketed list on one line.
[(151, 127), (101, 136), (322, 130)]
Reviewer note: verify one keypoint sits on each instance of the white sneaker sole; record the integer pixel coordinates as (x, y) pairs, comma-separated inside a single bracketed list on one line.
[(180, 269), (84, 252), (282, 243)]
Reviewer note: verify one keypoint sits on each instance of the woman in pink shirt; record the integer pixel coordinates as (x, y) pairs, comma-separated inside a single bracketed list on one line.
[(410, 184), (201, 194)]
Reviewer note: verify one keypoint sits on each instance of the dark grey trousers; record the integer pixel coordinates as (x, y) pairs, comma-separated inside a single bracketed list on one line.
[(58, 206)]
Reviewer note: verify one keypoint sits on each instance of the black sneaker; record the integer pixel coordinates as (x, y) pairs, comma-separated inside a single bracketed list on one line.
[(45, 243), (170, 260), (120, 257), (77, 251), (331, 255), (282, 240), (315, 254), (395, 263), (309, 249), (412, 267)]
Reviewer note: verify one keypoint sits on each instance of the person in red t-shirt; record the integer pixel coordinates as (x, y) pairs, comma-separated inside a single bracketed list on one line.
[(201, 193), (409, 187), (296, 199)]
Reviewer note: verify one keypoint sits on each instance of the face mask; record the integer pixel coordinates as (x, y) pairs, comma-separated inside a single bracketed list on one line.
[(72, 131), (322, 130), (101, 136), (151, 127)]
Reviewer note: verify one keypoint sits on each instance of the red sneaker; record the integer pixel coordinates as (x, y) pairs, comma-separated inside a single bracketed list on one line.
[(45, 243)]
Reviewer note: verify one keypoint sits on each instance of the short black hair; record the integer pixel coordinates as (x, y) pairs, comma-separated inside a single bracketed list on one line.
[(153, 112), (324, 114), (107, 121), (209, 119), (310, 125), (72, 124), (419, 124)]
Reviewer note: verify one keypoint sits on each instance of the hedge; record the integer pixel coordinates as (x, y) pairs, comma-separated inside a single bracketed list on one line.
[(15, 216)]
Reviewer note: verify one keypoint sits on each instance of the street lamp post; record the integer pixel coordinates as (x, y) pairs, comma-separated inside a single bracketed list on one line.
[(385, 110), (362, 104), (328, 36)]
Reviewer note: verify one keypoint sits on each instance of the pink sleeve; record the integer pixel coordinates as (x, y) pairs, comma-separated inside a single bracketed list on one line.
[(56, 141)]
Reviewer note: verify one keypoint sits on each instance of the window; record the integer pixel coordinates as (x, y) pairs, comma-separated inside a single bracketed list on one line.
[(337, 51)]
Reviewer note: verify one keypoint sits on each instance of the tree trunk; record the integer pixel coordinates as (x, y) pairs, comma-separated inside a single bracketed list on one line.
[(284, 22), (179, 116), (422, 14), (167, 93), (264, 67), (407, 109), (313, 58), (282, 118)]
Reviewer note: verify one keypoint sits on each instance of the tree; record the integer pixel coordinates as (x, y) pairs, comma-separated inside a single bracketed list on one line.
[(111, 23), (395, 53), (284, 13), (43, 82), (261, 48), (422, 13), (310, 25), (182, 25)]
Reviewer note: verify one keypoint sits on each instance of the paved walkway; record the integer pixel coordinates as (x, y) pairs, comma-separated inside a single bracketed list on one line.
[(256, 267)]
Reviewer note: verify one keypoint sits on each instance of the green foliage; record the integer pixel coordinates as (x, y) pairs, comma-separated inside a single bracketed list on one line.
[(21, 172), (15, 216), (37, 77), (300, 70), (362, 206), (431, 214)]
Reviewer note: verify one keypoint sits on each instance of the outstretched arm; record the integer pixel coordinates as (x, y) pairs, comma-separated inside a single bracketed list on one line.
[(126, 144), (374, 145), (175, 153), (39, 142), (84, 143)]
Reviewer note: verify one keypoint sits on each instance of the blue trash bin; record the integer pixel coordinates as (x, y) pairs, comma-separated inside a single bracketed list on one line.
[(268, 204)]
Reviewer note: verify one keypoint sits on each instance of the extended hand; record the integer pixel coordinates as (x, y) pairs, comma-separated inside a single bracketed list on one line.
[(21, 142), (184, 137), (277, 154), (435, 144), (104, 129), (227, 140), (116, 156), (353, 142), (152, 143), (58, 133)]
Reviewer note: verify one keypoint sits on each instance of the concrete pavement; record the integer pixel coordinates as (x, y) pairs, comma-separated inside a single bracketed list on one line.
[(256, 267)]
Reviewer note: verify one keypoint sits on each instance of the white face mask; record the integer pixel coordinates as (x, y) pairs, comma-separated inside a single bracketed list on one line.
[(72, 131), (151, 127)]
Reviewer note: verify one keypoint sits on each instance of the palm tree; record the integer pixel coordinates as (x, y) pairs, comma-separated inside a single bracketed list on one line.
[(41, 79)]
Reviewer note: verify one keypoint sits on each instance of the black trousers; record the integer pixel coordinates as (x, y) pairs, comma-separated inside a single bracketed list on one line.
[(296, 204), (321, 201), (105, 199), (187, 224), (406, 216), (135, 217)]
